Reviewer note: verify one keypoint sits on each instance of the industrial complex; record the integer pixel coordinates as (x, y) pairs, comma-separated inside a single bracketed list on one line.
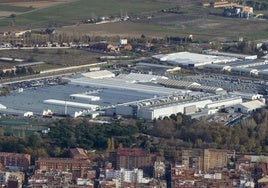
[(147, 96)]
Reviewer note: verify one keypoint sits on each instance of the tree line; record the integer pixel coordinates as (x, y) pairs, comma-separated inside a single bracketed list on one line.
[(165, 137)]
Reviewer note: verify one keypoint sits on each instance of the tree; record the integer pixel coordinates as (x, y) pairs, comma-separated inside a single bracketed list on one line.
[(198, 142), (30, 70)]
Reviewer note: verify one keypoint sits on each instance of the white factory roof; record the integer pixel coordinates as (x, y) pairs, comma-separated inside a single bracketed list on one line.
[(140, 77), (252, 105), (176, 103), (71, 104), (192, 59), (11, 59), (84, 96), (218, 66), (99, 74), (2, 106), (123, 84)]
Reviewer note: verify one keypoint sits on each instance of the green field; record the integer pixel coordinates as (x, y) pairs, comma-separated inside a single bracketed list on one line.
[(70, 13), (15, 8)]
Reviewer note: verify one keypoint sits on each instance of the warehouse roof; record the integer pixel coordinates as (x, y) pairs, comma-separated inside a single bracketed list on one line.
[(218, 66), (140, 77), (72, 104), (252, 105), (99, 74), (192, 59), (123, 84)]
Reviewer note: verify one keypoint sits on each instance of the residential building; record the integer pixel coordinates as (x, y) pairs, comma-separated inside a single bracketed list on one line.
[(15, 161), (204, 159), (63, 164), (79, 164), (130, 158)]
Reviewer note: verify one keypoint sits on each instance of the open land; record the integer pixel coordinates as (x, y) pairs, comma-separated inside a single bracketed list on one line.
[(146, 17), (52, 58)]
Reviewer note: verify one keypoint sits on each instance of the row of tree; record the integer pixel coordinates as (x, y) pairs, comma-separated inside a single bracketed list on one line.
[(21, 71), (257, 5)]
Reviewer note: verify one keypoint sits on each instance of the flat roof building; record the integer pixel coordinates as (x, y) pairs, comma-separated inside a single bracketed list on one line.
[(137, 77), (188, 59), (250, 106), (99, 74)]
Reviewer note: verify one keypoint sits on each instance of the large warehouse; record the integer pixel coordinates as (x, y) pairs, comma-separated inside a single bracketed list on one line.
[(166, 106), (188, 59)]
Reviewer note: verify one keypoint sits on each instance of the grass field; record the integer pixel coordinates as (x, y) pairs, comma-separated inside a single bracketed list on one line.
[(77, 11)]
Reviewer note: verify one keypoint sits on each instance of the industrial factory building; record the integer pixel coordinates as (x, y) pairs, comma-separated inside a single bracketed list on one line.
[(99, 74), (165, 106), (142, 78), (250, 106), (188, 59)]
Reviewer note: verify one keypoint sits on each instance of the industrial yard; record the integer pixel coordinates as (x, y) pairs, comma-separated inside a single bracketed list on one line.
[(101, 92)]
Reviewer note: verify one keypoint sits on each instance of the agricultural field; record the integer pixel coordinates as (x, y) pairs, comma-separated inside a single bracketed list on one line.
[(152, 18), (70, 12), (162, 25)]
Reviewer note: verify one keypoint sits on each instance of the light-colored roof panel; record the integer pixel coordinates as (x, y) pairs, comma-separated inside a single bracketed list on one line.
[(253, 104), (69, 103), (140, 77), (99, 74), (193, 58)]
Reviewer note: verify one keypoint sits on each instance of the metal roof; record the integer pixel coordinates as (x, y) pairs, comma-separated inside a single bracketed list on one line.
[(140, 77), (123, 84), (99, 74), (252, 105), (186, 58), (69, 103)]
